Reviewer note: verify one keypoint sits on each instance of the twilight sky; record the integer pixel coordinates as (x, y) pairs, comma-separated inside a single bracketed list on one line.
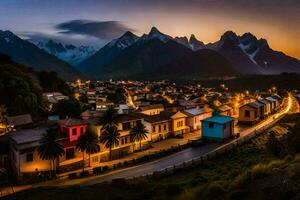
[(98, 21)]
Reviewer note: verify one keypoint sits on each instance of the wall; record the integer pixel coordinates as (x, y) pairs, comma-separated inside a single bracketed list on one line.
[(251, 118), (153, 111), (215, 132)]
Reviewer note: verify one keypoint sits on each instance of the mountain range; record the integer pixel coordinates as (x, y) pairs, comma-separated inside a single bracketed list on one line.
[(157, 55), (26, 53), (153, 56)]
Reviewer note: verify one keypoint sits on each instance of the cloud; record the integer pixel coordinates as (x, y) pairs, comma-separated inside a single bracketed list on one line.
[(75, 39), (103, 30)]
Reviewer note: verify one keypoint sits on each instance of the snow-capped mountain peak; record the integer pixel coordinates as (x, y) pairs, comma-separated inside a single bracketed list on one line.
[(70, 53), (192, 43), (156, 34), (124, 41)]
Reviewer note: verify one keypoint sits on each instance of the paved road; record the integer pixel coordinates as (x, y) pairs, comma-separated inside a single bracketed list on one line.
[(168, 161)]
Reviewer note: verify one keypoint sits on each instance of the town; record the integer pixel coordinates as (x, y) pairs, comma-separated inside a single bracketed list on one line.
[(124, 121)]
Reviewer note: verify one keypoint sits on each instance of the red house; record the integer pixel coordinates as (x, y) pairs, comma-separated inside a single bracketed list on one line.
[(72, 128)]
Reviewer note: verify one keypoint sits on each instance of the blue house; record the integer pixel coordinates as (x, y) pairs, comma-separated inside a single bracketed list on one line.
[(218, 127)]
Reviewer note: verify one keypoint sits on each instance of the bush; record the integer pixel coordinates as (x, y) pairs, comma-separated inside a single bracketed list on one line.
[(274, 145), (259, 171), (173, 189), (237, 195), (275, 164), (72, 175), (97, 170), (84, 174), (104, 168), (241, 181), (214, 191)]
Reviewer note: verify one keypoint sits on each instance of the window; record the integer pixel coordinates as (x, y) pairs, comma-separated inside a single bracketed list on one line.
[(122, 141), (29, 157), (153, 127), (159, 128), (69, 153), (211, 125), (74, 131), (126, 126), (165, 127), (126, 140), (247, 113)]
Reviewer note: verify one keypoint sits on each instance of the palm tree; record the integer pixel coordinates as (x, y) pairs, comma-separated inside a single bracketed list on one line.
[(109, 118), (92, 144), (138, 133), (109, 137), (88, 143), (50, 149)]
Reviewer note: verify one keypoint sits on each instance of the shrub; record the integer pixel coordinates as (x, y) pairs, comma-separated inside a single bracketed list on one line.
[(173, 189), (259, 171), (275, 164), (241, 181), (84, 174), (237, 195), (72, 175), (104, 168), (274, 145), (97, 170), (214, 191)]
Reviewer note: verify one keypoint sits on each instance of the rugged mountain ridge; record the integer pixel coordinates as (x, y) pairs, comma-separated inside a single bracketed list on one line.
[(26, 53)]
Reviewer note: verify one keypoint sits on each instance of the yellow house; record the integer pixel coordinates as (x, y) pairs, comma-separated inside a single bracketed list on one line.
[(158, 126), (251, 112), (179, 123), (152, 109)]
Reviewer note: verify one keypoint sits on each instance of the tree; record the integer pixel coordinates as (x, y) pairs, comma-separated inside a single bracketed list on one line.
[(109, 118), (88, 143), (3, 116), (50, 149), (110, 137), (67, 108), (138, 133)]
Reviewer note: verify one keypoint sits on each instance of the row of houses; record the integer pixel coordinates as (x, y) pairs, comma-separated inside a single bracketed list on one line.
[(160, 124), (253, 112)]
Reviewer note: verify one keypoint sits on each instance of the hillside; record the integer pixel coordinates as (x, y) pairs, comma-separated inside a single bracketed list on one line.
[(26, 53)]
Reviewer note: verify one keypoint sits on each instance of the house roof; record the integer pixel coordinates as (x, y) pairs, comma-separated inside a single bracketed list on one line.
[(27, 135), (255, 104), (193, 112), (127, 117), (220, 119), (271, 99), (263, 101), (72, 122), (155, 118), (150, 107), (19, 120), (224, 108)]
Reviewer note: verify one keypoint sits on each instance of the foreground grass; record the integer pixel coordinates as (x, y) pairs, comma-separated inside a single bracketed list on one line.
[(224, 176)]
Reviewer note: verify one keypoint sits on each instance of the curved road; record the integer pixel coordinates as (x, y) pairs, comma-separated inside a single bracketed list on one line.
[(168, 161)]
